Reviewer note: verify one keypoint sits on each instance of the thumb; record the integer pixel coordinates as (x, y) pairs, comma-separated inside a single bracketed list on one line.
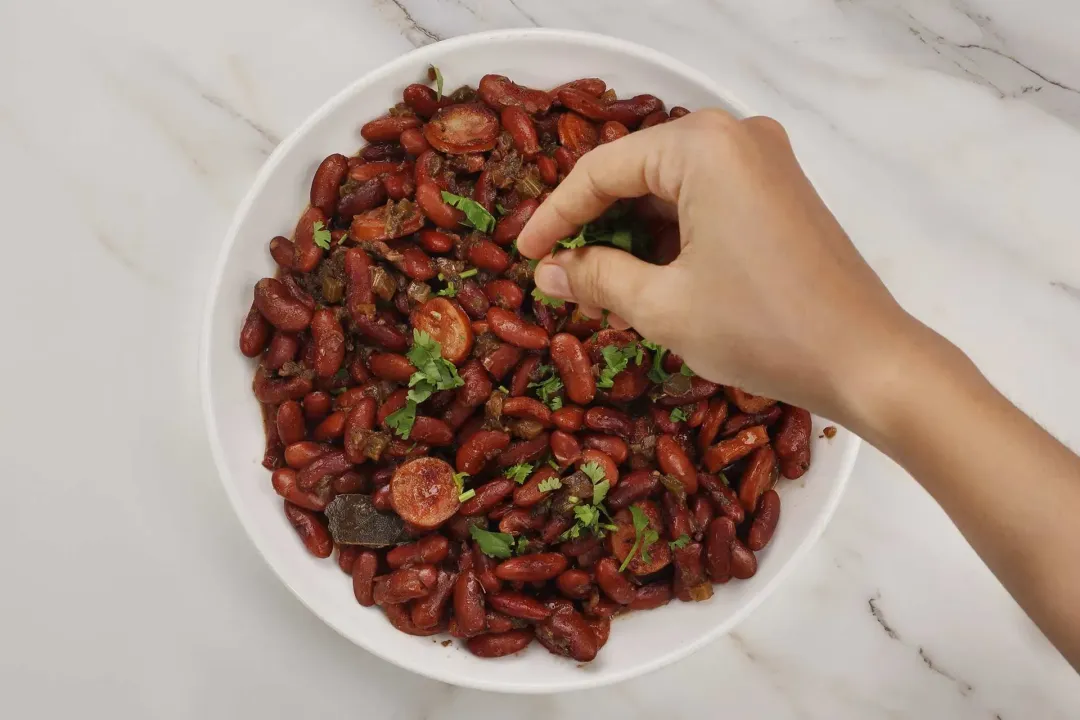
[(600, 276)]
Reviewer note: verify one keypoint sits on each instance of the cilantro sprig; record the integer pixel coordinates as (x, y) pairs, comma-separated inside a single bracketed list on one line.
[(679, 542), (678, 414), (616, 360), (433, 372), (552, 483), (544, 299), (493, 544), (321, 235), (587, 516), (657, 373), (476, 215), (548, 387), (519, 473), (644, 537)]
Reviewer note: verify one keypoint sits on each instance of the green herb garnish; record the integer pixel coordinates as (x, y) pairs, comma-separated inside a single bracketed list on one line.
[(433, 373), (321, 235), (552, 483), (644, 537), (657, 373), (594, 471), (519, 473), (492, 544), (432, 70), (616, 359), (467, 495), (475, 213), (549, 387), (544, 299), (678, 415), (679, 542), (685, 370)]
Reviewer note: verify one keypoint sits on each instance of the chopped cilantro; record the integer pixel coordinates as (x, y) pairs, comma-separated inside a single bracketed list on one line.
[(548, 387), (492, 544), (575, 242), (401, 421), (657, 374), (475, 214), (519, 473), (459, 480), (594, 471), (545, 299), (616, 359), (685, 370), (433, 373), (723, 479), (678, 415), (552, 483), (679, 542), (644, 537), (600, 491), (321, 235)]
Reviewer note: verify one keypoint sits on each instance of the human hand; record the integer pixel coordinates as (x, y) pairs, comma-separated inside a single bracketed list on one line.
[(768, 293)]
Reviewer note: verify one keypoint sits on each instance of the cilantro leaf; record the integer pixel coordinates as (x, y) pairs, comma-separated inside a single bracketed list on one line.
[(475, 214), (519, 473), (548, 387), (459, 480), (401, 421), (545, 299), (432, 70), (616, 359), (600, 491), (492, 544), (575, 242), (522, 545), (678, 414), (321, 235), (641, 527), (648, 537), (587, 515), (657, 374), (552, 483), (594, 471), (685, 370), (679, 542)]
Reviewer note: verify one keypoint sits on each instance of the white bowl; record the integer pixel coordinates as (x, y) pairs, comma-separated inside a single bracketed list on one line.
[(639, 642)]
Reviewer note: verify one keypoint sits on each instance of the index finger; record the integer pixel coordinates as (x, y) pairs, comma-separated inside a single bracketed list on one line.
[(626, 168)]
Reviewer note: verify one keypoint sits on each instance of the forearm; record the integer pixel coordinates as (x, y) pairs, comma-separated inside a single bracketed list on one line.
[(1011, 488)]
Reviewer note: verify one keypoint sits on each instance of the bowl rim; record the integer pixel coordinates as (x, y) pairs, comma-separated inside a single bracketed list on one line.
[(242, 511)]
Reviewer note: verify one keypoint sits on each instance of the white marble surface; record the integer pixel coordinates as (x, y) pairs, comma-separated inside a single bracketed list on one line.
[(945, 135)]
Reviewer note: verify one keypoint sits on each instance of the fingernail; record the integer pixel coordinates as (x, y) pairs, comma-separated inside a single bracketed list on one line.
[(552, 280)]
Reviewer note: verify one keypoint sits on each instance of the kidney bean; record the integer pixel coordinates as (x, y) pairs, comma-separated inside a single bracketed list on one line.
[(328, 337), (255, 332), (512, 329), (365, 172), (400, 617), (614, 447), (637, 485), (346, 557), (523, 375), (718, 539), (399, 185), (331, 428), (363, 575), (743, 561), (555, 527), (388, 128), (290, 422), (575, 584), (327, 180), (759, 476), (486, 255), (569, 418), (414, 142), (372, 225), (306, 254), (661, 418), (509, 226), (351, 482), (565, 448), (431, 431), (282, 250), (747, 403), (283, 348), (367, 196), (690, 583), (499, 91), (504, 293), (577, 134), (382, 331), (437, 210), (673, 460), (724, 499), (527, 407), (469, 603), (317, 405), (312, 532), (740, 421), (529, 451), (609, 421), (518, 521), (462, 129), (597, 606), (679, 520), (531, 568), (703, 512), (484, 566), (284, 482), (549, 170), (529, 494), (518, 605), (423, 492), (564, 159), (654, 118), (497, 622), (678, 111), (728, 451), (590, 86), (566, 633), (601, 458), (611, 131), (273, 392), (495, 645), (405, 584), (421, 99), (360, 296), (700, 389), (612, 582), (483, 446), (629, 112), (279, 307), (765, 520), (651, 596), (575, 370), (391, 366), (792, 442), (394, 402), (710, 425), (427, 612), (300, 454), (487, 497), (330, 463), (428, 550), (520, 126)]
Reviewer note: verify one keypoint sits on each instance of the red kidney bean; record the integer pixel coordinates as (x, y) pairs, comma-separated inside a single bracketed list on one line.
[(678, 111), (414, 142), (613, 583), (330, 463), (531, 568), (484, 566), (743, 561), (486, 255), (549, 169), (487, 497), (611, 131), (609, 421), (703, 513), (328, 338), (282, 250), (372, 225), (565, 448), (499, 91), (575, 369), (391, 366), (635, 486), (346, 557), (566, 633), (759, 476), (525, 451), (483, 446), (431, 431), (614, 447), (589, 86), (279, 307), (520, 126), (327, 180), (495, 645), (422, 99), (382, 331), (527, 407), (765, 520), (363, 575), (724, 499), (306, 254), (273, 392), (427, 612), (518, 605), (512, 329), (394, 402), (718, 538), (428, 550), (435, 242), (747, 403), (317, 405), (711, 423), (651, 596), (569, 418), (351, 482), (529, 494), (399, 185), (690, 583), (654, 118), (300, 454), (388, 128), (469, 603), (740, 421), (673, 460), (555, 527), (405, 584), (792, 442), (290, 422), (523, 375), (510, 225), (518, 521), (312, 532), (629, 112), (728, 451), (601, 458), (497, 622), (679, 521), (577, 134), (360, 296), (437, 210), (255, 332), (284, 481), (575, 584), (504, 293), (331, 428), (283, 348), (564, 159), (369, 195), (400, 617)]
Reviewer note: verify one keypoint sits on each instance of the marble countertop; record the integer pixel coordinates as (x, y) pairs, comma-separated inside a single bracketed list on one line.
[(945, 134)]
